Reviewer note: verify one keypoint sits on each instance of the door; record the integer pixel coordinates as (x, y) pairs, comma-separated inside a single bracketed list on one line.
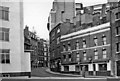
[(118, 68), (94, 69)]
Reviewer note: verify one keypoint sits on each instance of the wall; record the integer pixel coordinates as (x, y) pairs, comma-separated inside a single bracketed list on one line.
[(16, 43)]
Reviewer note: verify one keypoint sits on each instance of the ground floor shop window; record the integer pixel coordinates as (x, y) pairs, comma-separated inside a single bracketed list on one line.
[(77, 69), (102, 67), (66, 68)]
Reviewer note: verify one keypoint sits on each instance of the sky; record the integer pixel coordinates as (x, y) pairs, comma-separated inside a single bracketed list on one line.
[(36, 14)]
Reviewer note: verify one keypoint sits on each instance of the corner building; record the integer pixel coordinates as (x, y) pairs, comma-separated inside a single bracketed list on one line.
[(13, 60)]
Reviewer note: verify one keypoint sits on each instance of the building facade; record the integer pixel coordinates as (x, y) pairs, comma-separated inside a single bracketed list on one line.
[(115, 39), (34, 47), (43, 52), (90, 42), (13, 60), (89, 48), (63, 11), (38, 48)]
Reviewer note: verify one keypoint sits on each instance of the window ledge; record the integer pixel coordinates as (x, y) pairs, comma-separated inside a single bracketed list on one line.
[(118, 52), (118, 35), (117, 19)]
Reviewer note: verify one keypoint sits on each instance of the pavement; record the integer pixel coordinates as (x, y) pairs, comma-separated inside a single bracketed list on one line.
[(45, 73), (74, 75)]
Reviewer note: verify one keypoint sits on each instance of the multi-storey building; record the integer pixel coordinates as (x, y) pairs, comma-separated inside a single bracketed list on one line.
[(13, 60), (90, 48), (34, 47), (89, 45), (37, 47), (61, 11), (90, 42), (43, 53), (115, 35), (40, 53), (27, 39)]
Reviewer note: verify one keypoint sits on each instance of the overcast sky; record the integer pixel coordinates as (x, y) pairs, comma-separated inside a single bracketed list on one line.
[(36, 14)]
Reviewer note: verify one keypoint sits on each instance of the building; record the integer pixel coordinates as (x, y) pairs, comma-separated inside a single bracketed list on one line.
[(34, 47), (89, 46), (27, 39), (62, 11), (115, 35), (89, 41), (38, 47), (43, 53), (14, 61)]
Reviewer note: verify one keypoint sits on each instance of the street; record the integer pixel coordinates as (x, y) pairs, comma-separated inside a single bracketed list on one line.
[(40, 74)]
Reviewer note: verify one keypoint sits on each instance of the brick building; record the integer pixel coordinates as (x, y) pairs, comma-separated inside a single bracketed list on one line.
[(43, 53), (34, 47), (63, 11), (27, 39), (90, 41), (89, 44), (90, 48), (37, 47), (115, 36)]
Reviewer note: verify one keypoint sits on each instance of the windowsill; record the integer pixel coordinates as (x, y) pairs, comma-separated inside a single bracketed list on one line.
[(4, 41), (118, 35), (118, 52), (4, 19), (5, 63), (117, 19)]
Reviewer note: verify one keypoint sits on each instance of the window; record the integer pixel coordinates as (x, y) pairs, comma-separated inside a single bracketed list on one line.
[(4, 34), (4, 13), (95, 54), (77, 56), (84, 55), (58, 30), (45, 49), (84, 43), (58, 40), (64, 57), (118, 15), (77, 69), (104, 53), (45, 53), (102, 67), (64, 48), (95, 41), (117, 30), (5, 56), (77, 44), (69, 48), (53, 36), (45, 58), (118, 47), (69, 56), (104, 40)]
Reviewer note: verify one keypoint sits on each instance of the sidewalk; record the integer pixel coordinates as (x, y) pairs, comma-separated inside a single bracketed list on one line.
[(73, 75), (57, 73)]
